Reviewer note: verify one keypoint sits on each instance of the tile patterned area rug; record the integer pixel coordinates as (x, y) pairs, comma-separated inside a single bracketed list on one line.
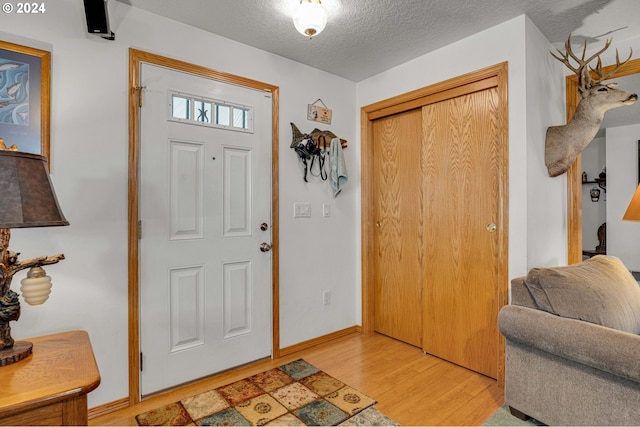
[(297, 393)]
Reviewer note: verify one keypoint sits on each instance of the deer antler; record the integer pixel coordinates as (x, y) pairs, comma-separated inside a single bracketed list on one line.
[(598, 69), (585, 82)]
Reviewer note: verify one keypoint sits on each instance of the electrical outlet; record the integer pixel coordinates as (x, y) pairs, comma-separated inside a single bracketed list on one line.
[(326, 297)]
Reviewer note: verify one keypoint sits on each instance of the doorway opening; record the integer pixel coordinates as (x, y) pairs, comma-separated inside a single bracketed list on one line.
[(136, 59)]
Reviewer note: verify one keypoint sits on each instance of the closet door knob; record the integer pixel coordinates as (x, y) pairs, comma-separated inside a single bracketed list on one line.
[(491, 227)]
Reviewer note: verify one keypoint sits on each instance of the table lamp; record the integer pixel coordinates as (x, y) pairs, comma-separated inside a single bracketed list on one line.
[(27, 199), (633, 210)]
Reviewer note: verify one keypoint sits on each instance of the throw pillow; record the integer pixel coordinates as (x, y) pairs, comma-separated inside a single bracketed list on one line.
[(599, 290)]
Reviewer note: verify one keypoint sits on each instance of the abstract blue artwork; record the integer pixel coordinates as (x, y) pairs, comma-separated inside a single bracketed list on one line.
[(24, 97), (14, 92)]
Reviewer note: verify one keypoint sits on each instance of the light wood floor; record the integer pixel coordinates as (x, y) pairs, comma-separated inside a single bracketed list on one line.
[(411, 388)]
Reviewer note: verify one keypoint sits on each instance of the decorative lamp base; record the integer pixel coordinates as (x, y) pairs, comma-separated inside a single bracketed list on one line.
[(19, 351)]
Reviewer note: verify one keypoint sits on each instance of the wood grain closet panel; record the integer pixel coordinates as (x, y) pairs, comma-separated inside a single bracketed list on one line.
[(461, 163), (399, 229)]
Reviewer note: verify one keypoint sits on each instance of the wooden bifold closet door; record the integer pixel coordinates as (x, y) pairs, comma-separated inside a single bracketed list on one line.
[(438, 209), (399, 226)]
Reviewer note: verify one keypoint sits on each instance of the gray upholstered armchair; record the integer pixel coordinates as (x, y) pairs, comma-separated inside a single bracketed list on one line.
[(573, 349)]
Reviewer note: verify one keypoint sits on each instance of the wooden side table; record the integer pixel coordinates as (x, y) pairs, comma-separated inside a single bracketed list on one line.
[(50, 387)]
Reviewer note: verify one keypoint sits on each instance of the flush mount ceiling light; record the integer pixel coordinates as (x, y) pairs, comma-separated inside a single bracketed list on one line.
[(310, 18)]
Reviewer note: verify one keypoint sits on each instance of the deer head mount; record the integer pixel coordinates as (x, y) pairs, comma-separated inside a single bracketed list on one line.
[(564, 143)]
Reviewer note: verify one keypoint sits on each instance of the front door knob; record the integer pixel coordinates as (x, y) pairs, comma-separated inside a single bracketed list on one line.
[(264, 226), (265, 247)]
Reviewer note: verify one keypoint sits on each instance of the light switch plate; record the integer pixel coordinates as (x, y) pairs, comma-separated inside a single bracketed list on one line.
[(302, 210)]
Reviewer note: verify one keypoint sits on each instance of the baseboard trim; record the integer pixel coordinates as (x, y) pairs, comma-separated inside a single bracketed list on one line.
[(123, 403), (108, 408), (319, 340)]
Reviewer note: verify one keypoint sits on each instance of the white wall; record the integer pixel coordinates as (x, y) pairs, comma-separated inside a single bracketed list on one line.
[(623, 237), (546, 197), (89, 143), (520, 43)]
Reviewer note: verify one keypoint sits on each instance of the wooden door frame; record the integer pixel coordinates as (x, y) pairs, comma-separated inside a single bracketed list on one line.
[(136, 58), (574, 174), (416, 99)]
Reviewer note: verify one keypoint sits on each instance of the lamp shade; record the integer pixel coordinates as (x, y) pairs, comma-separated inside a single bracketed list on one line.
[(27, 198), (633, 211)]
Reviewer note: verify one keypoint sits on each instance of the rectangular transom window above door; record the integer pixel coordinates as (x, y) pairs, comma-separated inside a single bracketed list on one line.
[(197, 110)]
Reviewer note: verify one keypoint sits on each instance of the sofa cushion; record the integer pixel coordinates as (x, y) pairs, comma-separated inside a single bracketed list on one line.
[(599, 290)]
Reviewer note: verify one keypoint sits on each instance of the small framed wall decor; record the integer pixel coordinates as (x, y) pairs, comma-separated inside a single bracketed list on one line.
[(25, 97), (319, 113)]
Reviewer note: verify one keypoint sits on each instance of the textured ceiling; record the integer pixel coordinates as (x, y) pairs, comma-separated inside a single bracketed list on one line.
[(366, 37)]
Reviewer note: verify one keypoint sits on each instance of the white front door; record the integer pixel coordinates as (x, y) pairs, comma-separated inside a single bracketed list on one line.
[(205, 211)]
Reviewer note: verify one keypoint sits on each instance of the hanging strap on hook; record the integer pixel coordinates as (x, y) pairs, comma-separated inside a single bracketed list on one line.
[(303, 156), (322, 156), (320, 101)]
